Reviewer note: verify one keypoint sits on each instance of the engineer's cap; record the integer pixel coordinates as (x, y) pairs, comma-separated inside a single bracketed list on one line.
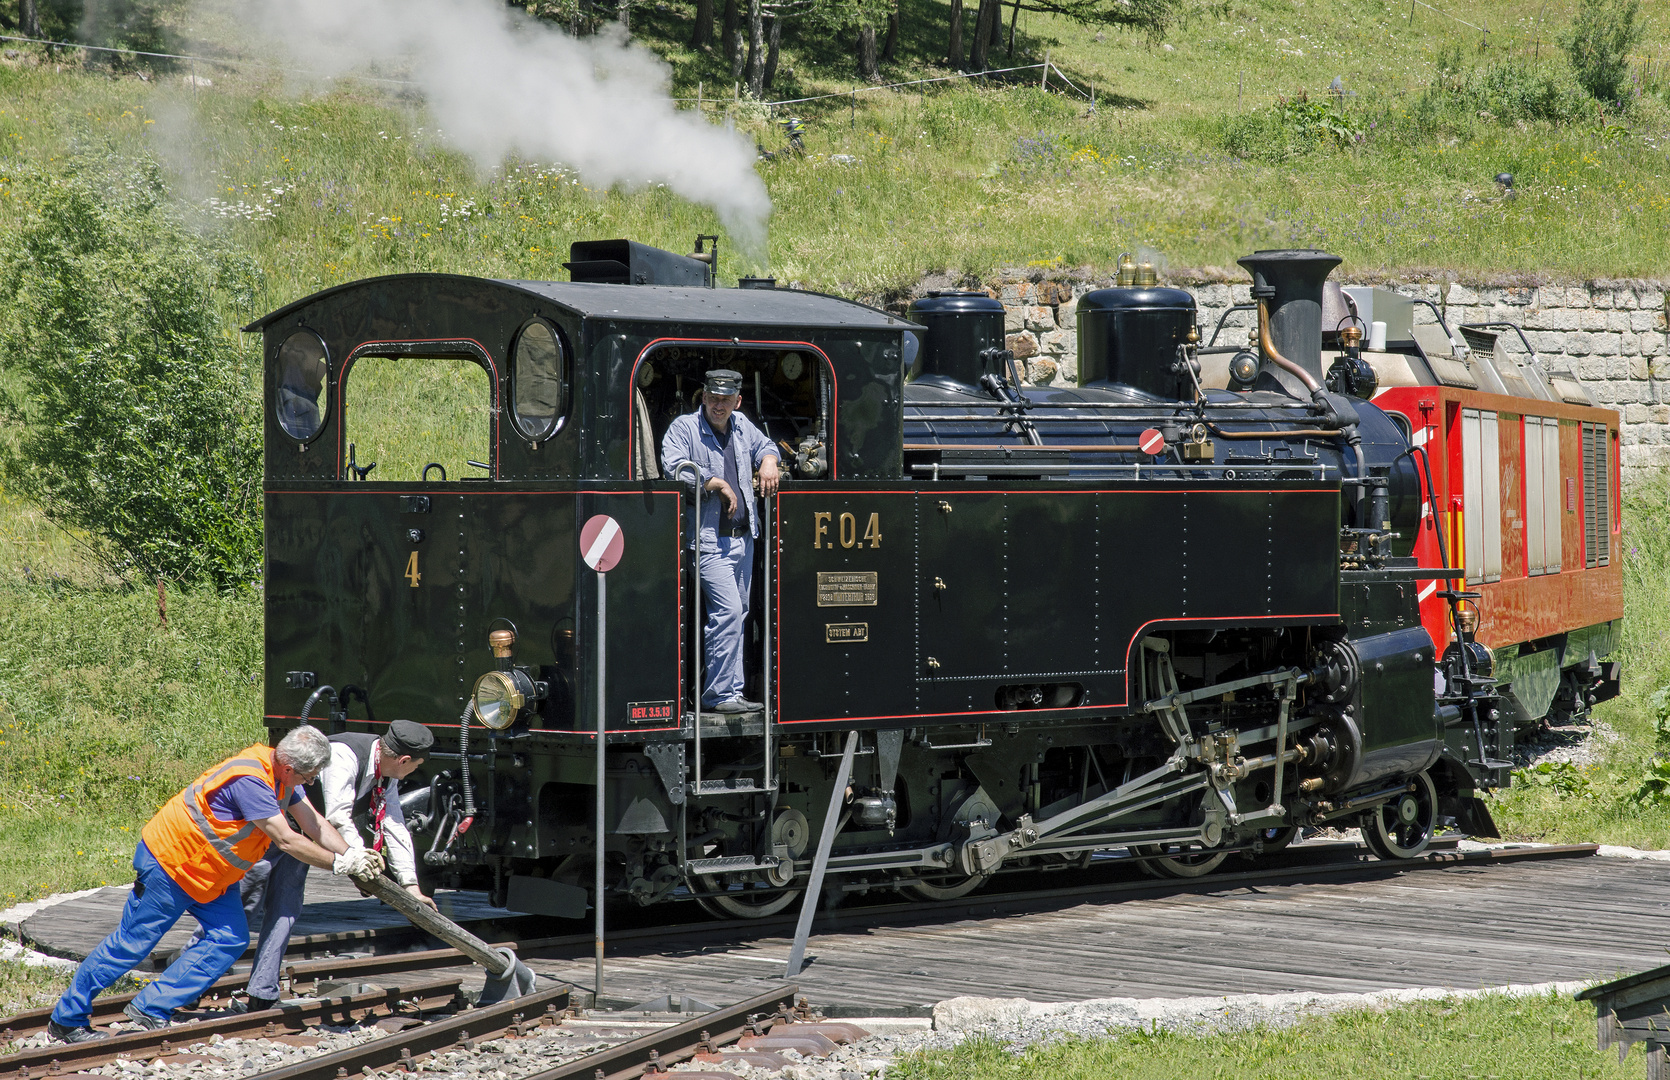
[(723, 381)]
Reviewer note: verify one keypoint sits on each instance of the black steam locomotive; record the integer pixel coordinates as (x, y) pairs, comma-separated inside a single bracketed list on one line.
[(1133, 615)]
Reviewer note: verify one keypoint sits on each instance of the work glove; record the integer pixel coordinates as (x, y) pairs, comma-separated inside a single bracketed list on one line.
[(358, 863)]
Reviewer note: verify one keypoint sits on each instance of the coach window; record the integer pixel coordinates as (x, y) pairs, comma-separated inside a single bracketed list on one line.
[(302, 371), (1481, 495), (538, 380), (419, 418)]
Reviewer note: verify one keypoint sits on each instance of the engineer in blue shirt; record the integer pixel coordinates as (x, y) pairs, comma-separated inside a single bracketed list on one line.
[(730, 452)]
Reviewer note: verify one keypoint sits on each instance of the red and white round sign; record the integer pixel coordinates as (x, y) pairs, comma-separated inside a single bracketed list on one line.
[(1151, 441), (601, 543)]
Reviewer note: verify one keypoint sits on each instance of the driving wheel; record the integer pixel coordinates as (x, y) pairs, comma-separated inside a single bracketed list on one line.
[(1403, 827), (1158, 862), (943, 888), (747, 900)]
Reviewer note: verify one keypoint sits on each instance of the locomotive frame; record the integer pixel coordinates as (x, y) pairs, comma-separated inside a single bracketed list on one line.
[(1051, 642)]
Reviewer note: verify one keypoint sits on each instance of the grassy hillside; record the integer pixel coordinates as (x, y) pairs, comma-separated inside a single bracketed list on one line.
[(1190, 151)]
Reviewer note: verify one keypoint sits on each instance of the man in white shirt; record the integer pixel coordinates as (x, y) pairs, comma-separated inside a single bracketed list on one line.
[(360, 788)]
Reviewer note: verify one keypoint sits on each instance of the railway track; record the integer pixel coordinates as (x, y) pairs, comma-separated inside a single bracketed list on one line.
[(427, 1009), (755, 1031)]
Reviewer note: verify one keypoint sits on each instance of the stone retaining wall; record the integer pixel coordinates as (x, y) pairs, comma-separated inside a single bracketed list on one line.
[(1610, 335)]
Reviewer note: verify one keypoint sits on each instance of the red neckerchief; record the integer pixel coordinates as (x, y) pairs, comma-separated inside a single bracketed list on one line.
[(377, 807)]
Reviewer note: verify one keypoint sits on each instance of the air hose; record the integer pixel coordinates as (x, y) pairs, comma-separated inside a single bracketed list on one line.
[(313, 699), (464, 767)]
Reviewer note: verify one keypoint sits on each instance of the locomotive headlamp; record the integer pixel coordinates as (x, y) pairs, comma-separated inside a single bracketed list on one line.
[(1243, 369), (500, 697)]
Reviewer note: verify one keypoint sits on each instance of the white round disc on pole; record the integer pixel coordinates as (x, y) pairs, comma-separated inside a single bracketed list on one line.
[(602, 543)]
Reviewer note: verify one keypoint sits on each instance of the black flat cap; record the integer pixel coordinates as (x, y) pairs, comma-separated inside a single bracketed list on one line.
[(723, 381), (406, 739)]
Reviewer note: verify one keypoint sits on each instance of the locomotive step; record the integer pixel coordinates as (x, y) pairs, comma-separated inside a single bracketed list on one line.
[(730, 864), (741, 786)]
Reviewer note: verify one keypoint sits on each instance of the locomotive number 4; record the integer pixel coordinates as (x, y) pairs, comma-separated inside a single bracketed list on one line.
[(412, 574), (848, 531)]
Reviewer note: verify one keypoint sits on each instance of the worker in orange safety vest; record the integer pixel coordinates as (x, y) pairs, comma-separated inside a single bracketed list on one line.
[(190, 855)]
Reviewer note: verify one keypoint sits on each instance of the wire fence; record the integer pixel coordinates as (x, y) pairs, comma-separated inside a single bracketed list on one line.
[(1046, 70), (193, 60)]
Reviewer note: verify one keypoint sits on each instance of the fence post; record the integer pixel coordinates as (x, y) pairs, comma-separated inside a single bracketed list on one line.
[(1044, 80), (698, 97), (852, 111)]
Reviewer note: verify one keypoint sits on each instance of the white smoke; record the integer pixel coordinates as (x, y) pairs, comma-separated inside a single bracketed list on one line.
[(499, 82)]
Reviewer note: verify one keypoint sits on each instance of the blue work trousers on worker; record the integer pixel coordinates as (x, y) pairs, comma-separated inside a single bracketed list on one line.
[(727, 580), (272, 898), (154, 906)]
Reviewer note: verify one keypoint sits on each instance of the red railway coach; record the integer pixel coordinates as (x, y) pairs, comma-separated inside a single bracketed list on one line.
[(1525, 468)]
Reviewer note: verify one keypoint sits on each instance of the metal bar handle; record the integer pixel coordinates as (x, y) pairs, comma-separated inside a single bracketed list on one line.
[(696, 602)]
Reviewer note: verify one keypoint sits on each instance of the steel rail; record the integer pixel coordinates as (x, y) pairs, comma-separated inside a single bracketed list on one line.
[(669, 1045), (108, 1006), (469, 1024), (294, 1016)]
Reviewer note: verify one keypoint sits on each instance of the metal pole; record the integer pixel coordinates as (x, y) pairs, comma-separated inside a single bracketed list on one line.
[(602, 738), (826, 839)]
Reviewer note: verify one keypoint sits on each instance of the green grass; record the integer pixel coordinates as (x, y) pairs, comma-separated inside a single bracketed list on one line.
[(103, 713), (323, 188), (1486, 1038), (25, 987)]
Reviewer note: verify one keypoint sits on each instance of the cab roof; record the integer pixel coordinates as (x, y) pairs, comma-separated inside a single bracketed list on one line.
[(743, 307)]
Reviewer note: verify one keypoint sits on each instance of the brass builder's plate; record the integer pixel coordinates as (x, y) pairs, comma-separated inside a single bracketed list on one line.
[(846, 588)]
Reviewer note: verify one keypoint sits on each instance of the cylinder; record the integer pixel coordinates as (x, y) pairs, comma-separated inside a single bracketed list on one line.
[(1131, 337), (1289, 282), (961, 326), (1377, 336)]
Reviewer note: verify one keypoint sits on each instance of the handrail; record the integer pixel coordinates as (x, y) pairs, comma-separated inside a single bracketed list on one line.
[(1225, 318), (696, 600), (768, 626)]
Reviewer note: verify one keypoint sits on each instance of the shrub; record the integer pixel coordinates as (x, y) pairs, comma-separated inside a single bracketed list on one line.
[(1505, 92), (1562, 777), (1598, 44), (133, 419), (1290, 128)]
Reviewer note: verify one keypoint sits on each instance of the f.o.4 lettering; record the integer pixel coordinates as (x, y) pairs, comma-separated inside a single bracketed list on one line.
[(846, 531)]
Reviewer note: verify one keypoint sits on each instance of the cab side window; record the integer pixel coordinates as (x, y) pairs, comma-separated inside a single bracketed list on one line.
[(408, 414), (538, 380), (302, 370)]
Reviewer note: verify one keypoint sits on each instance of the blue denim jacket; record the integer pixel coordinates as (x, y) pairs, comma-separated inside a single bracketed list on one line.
[(691, 438)]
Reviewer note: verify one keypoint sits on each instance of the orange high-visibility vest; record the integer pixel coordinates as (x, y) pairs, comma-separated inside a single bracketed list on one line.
[(203, 854)]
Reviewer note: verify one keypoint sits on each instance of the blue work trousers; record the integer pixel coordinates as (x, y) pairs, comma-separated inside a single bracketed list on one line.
[(272, 894), (153, 908), (727, 579)]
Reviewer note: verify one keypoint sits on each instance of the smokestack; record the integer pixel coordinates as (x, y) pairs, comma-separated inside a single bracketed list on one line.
[(1290, 284)]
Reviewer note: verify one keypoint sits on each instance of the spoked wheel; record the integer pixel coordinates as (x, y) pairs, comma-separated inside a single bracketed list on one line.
[(751, 900), (1187, 864), (1402, 828), (946, 888)]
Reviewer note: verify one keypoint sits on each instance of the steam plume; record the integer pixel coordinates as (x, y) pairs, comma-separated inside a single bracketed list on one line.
[(498, 81)]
